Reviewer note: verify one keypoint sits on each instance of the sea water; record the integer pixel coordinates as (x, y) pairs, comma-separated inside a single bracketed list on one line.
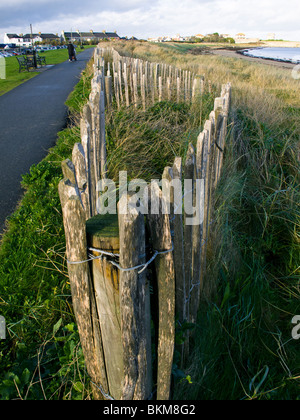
[(280, 54)]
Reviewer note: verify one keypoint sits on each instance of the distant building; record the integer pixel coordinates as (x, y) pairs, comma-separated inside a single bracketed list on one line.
[(240, 36), (27, 39), (242, 39), (178, 38), (18, 40), (89, 36), (160, 39)]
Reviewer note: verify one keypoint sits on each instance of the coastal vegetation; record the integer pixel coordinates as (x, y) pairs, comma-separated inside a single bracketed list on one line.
[(242, 343), (215, 37)]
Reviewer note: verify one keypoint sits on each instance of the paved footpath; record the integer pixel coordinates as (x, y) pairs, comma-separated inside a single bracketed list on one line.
[(31, 115)]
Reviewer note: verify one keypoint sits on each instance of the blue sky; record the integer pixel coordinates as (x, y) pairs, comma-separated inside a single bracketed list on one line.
[(144, 19)]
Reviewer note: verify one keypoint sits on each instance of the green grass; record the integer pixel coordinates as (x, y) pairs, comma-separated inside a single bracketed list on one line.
[(14, 78), (41, 357), (243, 346), (144, 143)]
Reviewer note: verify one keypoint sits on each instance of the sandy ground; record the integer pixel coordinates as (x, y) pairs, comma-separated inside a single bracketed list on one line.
[(234, 54)]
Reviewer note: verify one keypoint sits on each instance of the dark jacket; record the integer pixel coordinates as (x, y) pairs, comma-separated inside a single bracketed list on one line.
[(71, 49)]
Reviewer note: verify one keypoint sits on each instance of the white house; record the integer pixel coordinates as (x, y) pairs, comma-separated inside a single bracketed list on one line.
[(16, 39), (26, 40)]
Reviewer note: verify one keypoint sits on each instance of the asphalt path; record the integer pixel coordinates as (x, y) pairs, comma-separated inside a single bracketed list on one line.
[(31, 115)]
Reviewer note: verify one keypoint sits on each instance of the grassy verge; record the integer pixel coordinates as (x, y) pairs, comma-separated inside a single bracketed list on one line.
[(14, 78), (41, 357)]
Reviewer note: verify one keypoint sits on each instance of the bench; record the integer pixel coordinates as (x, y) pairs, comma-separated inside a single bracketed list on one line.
[(23, 63), (27, 62), (40, 60)]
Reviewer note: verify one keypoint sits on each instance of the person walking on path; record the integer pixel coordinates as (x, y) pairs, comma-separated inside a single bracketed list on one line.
[(72, 53)]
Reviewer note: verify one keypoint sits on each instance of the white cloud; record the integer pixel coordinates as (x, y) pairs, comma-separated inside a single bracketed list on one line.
[(151, 18)]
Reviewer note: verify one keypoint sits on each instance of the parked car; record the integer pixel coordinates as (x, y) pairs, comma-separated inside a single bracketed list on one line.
[(6, 54)]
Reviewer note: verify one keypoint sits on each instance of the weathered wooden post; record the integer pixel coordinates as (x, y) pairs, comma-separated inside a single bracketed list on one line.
[(209, 87), (108, 91), (179, 243), (169, 88), (95, 115), (135, 89), (119, 64), (79, 161), (151, 82), (88, 147), (206, 167), (197, 231), (196, 91), (102, 139), (116, 89), (159, 89), (178, 88), (159, 226), (74, 219), (143, 92), (103, 235), (123, 300), (156, 73), (134, 303), (189, 180), (126, 85)]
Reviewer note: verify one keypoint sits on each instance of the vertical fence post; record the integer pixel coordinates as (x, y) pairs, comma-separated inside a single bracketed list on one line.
[(103, 234), (126, 85), (143, 92), (79, 161), (108, 91), (206, 168), (159, 89), (135, 89), (74, 219), (189, 185), (197, 231), (179, 242), (178, 88), (102, 135), (134, 304), (88, 146), (119, 64), (159, 226), (169, 88)]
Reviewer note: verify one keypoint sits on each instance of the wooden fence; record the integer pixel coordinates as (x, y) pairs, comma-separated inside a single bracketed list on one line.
[(138, 82), (131, 273)]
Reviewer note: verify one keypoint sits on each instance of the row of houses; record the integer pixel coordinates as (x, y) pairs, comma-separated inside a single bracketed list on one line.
[(76, 36)]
